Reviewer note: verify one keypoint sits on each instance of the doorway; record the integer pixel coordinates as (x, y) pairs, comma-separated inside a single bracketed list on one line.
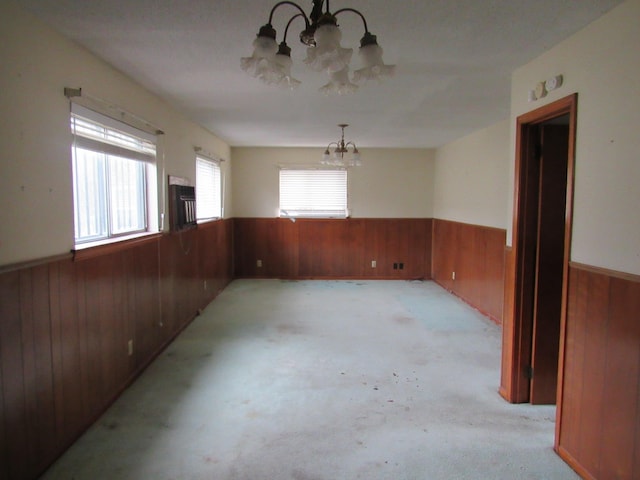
[(545, 140)]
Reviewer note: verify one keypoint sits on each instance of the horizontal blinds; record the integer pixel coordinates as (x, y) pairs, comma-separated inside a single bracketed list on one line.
[(313, 193), (110, 149), (208, 191), (95, 132)]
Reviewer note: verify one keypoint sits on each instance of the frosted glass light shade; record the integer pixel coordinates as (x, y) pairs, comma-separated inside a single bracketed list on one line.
[(260, 62), (328, 54), (374, 67), (278, 72), (355, 159), (339, 83)]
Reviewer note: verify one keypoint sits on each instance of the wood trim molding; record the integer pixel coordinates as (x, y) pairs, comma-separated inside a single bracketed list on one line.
[(515, 384), (212, 223), (605, 271), (35, 263), (475, 225), (113, 247), (574, 464)]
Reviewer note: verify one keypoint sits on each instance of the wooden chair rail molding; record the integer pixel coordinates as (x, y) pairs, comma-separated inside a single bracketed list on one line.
[(34, 263), (630, 277), (113, 246)]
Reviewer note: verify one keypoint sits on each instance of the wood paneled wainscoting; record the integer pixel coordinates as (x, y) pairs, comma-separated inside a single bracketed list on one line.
[(75, 332), (598, 428), (469, 261), (340, 248)]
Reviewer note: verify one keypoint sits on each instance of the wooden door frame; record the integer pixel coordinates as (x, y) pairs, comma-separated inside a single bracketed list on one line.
[(517, 332)]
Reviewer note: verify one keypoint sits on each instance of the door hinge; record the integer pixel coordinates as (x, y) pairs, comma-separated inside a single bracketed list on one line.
[(528, 372)]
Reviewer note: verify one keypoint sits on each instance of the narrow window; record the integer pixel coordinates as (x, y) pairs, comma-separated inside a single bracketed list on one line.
[(315, 193), (208, 189)]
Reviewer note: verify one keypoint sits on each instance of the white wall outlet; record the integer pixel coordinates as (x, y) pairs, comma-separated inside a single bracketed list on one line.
[(453, 275), (374, 264), (258, 263), (130, 347)]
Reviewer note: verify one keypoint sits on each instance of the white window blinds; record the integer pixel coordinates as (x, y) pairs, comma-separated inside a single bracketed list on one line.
[(208, 189), (313, 193)]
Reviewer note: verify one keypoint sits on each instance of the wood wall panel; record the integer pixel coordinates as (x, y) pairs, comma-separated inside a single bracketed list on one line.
[(38, 368), (15, 442), (599, 415), (332, 248), (272, 241), (591, 403), (4, 462), (507, 325), (65, 327), (477, 256), (622, 374), (72, 408), (215, 260), (323, 249)]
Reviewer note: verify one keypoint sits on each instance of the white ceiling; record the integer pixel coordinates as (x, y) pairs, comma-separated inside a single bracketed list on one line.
[(454, 59)]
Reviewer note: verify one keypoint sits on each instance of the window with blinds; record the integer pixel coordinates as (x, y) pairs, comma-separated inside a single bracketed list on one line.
[(317, 193), (112, 166), (208, 189)]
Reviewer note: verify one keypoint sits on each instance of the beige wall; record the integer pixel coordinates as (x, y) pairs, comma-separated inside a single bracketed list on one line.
[(391, 182), (36, 218), (602, 64), (471, 178)]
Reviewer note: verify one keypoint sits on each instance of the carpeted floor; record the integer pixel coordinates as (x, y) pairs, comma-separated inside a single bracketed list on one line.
[(323, 380)]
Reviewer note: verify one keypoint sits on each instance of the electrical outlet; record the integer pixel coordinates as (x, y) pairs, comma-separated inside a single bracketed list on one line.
[(130, 347), (453, 275), (401, 266), (258, 263), (395, 266), (374, 264)]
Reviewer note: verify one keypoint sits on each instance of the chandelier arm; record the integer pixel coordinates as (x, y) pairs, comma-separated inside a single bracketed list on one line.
[(289, 23), (287, 2), (353, 10), (316, 11)]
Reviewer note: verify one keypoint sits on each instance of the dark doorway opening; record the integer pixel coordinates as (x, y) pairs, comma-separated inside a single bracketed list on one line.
[(541, 240)]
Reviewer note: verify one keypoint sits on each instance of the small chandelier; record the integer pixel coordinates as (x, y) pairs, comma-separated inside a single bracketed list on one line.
[(335, 156), (272, 63)]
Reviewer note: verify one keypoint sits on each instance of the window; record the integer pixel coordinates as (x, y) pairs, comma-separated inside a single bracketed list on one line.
[(113, 175), (315, 193), (208, 189)]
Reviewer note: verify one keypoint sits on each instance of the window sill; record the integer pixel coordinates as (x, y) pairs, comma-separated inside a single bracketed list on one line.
[(104, 247), (205, 221), (293, 218)]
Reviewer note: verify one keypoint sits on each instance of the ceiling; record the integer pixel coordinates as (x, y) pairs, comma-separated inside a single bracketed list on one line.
[(454, 60)]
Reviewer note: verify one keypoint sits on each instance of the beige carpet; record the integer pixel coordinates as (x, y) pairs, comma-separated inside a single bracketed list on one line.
[(326, 380)]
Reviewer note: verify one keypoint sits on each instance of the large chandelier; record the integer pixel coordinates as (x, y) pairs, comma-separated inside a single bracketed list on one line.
[(334, 155), (272, 63)]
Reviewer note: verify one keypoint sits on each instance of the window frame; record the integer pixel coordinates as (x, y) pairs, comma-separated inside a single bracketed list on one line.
[(317, 211), (109, 141), (217, 197)]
